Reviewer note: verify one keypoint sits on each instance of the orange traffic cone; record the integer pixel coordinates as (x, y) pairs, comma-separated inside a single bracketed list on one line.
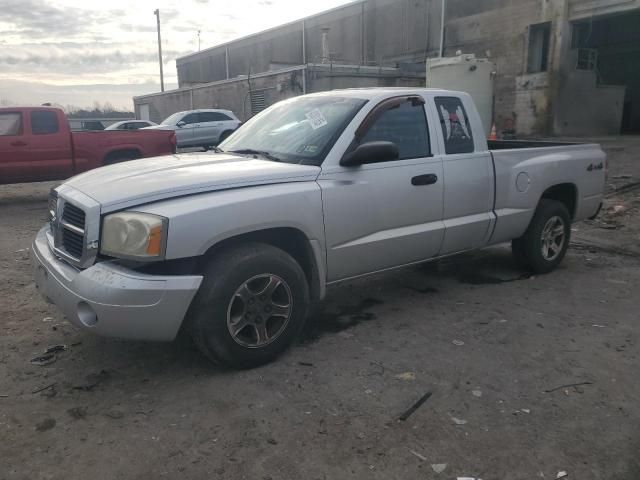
[(493, 135)]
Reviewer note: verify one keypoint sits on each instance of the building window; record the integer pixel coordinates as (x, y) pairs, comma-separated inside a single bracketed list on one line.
[(258, 101), (539, 39)]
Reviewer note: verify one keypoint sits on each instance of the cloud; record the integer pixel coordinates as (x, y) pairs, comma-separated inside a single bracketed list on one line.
[(70, 42), (80, 58), (39, 18), (36, 93)]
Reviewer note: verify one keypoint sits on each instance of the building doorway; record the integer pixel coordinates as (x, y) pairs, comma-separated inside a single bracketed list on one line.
[(610, 46)]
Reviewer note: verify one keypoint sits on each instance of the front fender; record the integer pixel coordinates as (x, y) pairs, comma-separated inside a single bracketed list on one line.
[(198, 222)]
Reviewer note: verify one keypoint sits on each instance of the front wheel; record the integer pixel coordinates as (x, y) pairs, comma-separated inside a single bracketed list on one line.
[(251, 305), (545, 243)]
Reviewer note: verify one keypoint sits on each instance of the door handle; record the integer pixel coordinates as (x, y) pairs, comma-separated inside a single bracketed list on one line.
[(18, 143), (428, 179)]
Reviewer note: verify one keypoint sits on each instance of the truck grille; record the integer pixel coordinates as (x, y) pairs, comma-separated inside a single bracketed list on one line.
[(73, 216), (69, 228), (74, 219), (73, 243)]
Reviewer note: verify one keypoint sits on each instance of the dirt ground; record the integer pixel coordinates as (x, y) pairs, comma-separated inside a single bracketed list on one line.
[(493, 347)]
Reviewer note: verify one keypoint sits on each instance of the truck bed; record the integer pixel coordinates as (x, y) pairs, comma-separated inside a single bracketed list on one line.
[(524, 170)]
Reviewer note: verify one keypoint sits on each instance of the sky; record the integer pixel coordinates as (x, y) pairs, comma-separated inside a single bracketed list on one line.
[(74, 52)]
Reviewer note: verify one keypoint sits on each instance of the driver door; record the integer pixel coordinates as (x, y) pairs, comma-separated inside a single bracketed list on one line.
[(383, 215)]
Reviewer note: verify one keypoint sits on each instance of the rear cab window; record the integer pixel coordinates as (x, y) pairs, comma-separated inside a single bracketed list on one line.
[(44, 122), (10, 124), (456, 128), (406, 126)]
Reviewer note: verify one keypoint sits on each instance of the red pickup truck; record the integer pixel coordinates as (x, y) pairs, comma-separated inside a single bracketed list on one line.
[(36, 144)]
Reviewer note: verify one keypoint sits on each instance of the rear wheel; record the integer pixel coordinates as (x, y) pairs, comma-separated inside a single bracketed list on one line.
[(251, 305), (545, 243)]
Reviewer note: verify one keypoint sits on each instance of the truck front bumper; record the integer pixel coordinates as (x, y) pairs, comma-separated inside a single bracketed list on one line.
[(111, 300)]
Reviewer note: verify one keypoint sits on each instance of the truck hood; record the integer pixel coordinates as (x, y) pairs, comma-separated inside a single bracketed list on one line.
[(151, 179)]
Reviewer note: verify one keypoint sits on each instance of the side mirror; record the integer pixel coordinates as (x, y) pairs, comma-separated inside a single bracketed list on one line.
[(371, 152), (181, 123)]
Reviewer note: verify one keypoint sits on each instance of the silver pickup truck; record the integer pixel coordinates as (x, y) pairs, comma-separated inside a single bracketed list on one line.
[(234, 245)]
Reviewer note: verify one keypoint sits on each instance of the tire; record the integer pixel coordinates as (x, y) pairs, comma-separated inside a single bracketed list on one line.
[(552, 221), (229, 298)]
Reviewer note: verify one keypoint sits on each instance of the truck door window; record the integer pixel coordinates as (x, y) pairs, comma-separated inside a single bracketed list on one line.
[(455, 125), (44, 122), (406, 126), (10, 124)]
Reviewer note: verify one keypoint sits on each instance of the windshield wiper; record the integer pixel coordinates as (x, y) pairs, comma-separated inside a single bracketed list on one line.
[(262, 153)]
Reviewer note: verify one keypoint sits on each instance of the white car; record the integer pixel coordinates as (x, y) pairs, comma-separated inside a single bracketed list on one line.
[(201, 128), (130, 125)]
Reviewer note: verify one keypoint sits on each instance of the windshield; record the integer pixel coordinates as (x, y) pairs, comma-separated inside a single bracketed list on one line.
[(298, 130), (173, 119)]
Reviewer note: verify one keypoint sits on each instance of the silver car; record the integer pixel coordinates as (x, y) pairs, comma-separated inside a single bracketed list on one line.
[(201, 128), (130, 125)]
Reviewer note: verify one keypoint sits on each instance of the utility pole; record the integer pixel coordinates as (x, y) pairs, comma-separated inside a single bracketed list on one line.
[(444, 7), (198, 40), (156, 12)]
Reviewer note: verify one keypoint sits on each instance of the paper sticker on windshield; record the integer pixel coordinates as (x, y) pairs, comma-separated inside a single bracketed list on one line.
[(316, 119), (310, 149)]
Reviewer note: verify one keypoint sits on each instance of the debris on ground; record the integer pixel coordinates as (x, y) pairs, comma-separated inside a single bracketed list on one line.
[(568, 386), (617, 209), (42, 389), (468, 478), (476, 393), (93, 380), (4, 395), (562, 474), (438, 467), (421, 457), (305, 364), (114, 414), (78, 413), (458, 342), (406, 376), (48, 356), (46, 424), (47, 319), (459, 421), (415, 407)]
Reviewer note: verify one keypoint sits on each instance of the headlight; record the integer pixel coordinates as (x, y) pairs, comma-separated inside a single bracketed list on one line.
[(134, 235)]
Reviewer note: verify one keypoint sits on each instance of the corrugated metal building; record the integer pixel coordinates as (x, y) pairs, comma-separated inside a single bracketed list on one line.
[(563, 66)]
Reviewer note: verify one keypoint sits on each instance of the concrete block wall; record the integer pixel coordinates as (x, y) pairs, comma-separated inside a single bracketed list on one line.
[(500, 29), (234, 94)]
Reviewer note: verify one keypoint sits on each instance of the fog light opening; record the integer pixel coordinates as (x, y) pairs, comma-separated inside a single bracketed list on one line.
[(86, 315)]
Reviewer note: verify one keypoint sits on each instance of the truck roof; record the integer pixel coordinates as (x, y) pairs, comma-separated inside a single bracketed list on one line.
[(29, 109), (377, 92)]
